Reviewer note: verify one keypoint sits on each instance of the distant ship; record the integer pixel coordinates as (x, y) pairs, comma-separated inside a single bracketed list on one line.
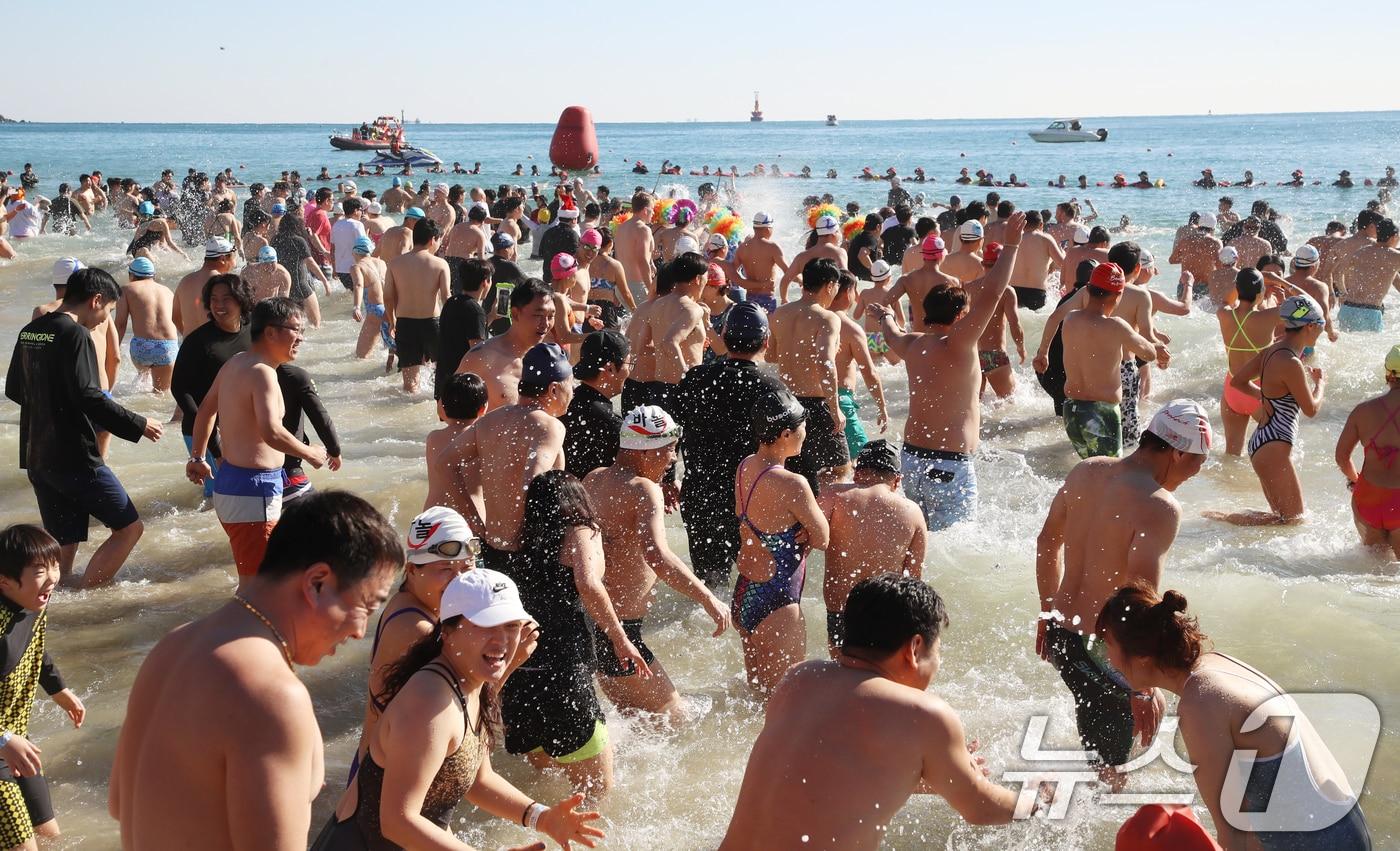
[(757, 114), (831, 121)]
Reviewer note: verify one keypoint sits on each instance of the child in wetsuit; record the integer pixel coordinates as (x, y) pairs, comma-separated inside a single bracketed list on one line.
[(28, 575)]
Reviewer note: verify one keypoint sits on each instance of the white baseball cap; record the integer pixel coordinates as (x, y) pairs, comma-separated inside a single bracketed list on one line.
[(439, 534), (648, 427), (1081, 235), (826, 225), (762, 220), (484, 597), (879, 271), (1306, 255), (1183, 424), (1229, 255), (63, 267), (1206, 220), (971, 231)]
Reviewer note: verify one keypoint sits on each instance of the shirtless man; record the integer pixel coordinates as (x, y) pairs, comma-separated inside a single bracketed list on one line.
[(991, 346), (1110, 525), (1198, 250), (918, 283), (1300, 279), (1089, 244), (631, 512), (1250, 244), (806, 337), (896, 738), (1366, 277), (416, 285), (1333, 235), (189, 313), (1062, 229), (674, 325), (966, 264), (461, 400), (942, 432), (265, 276), (189, 773), (147, 303), (882, 293), (375, 222), (367, 294), (1364, 234), (468, 238), (514, 443), (913, 257), (1039, 253), (440, 211), (1220, 286), (760, 262), (498, 360), (247, 401), (1096, 344), (86, 196), (856, 362), (828, 247), (396, 199), (398, 240), (875, 529), (635, 247)]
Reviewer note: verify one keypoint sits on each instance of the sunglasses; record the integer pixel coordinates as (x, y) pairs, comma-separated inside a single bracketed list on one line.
[(453, 549)]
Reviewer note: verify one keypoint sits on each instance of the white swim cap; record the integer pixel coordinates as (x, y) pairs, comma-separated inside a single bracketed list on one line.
[(63, 267), (879, 271), (439, 534), (648, 427), (1229, 255), (1183, 425)]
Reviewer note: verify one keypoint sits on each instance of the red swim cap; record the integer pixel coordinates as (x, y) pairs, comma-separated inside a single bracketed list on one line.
[(1159, 827), (715, 276), (1107, 276)]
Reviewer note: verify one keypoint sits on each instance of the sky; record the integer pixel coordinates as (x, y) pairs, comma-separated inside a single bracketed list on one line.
[(342, 61)]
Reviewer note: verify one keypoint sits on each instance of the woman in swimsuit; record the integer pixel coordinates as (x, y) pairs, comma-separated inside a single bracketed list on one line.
[(1285, 392), (608, 280), (1375, 492), (1154, 643), (772, 565), (1246, 329), (431, 748)]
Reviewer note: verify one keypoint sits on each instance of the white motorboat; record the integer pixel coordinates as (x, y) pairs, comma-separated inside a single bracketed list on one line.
[(1068, 130)]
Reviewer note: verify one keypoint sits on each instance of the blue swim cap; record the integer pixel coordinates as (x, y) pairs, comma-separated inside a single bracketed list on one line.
[(267, 254), (363, 245), (146, 208), (398, 181), (543, 365), (142, 268), (279, 209), (414, 213)]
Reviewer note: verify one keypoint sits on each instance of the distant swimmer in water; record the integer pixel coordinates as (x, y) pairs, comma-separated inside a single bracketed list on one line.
[(1085, 553), (1375, 490), (1295, 793), (886, 736), (1286, 391)]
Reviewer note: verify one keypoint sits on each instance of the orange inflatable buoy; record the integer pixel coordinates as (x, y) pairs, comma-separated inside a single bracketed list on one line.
[(575, 144)]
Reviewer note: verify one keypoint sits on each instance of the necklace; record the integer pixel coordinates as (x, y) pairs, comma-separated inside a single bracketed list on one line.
[(286, 651)]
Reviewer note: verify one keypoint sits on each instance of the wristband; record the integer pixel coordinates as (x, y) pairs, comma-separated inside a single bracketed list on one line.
[(532, 815), (5, 738), (196, 459)]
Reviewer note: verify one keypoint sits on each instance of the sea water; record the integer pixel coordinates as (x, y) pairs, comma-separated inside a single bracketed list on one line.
[(1305, 604)]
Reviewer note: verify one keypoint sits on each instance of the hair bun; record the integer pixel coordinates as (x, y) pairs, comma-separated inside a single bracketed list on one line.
[(1173, 601)]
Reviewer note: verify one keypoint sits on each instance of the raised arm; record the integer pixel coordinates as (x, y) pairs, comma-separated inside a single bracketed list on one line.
[(988, 294)]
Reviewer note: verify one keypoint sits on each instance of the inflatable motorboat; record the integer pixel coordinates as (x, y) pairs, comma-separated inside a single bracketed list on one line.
[(408, 155), (377, 136), (1068, 130)]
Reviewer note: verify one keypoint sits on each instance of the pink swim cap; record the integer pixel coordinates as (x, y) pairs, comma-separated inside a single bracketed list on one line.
[(591, 238), (933, 247), (562, 265)]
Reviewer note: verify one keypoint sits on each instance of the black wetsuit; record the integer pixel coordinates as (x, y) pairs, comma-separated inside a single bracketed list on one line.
[(299, 398), (292, 252), (864, 239), (714, 405), (896, 241), (463, 321), (591, 432), (1052, 380), (559, 239), (202, 354), (64, 215)]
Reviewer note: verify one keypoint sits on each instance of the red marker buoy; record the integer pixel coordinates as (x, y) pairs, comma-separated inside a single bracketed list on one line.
[(575, 143)]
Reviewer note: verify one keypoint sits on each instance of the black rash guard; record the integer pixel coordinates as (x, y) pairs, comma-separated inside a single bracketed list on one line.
[(299, 397)]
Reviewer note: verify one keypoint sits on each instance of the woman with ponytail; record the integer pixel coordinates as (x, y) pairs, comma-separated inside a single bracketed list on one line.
[(431, 747), (1154, 643)]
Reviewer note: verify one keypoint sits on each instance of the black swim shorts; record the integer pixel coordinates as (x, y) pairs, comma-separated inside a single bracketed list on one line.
[(825, 446), (417, 341), (68, 498), (1102, 700), (608, 663), (551, 709)]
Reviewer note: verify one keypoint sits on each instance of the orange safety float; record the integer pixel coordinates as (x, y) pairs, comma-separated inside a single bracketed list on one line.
[(575, 143)]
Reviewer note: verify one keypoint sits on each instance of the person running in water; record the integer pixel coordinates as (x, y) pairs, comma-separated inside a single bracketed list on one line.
[(1246, 329), (1375, 490)]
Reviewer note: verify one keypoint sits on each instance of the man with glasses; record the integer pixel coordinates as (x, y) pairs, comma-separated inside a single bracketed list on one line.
[(247, 400)]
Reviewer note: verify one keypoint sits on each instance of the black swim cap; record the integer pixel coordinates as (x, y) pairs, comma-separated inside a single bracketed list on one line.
[(775, 413)]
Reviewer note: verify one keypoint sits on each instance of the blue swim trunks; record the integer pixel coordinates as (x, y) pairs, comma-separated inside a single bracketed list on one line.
[(378, 310), (1360, 317), (148, 352)]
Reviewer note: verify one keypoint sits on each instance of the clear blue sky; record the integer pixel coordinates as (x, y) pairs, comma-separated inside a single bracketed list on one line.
[(338, 61)]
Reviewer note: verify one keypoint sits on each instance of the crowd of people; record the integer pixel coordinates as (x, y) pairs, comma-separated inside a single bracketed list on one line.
[(522, 590)]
